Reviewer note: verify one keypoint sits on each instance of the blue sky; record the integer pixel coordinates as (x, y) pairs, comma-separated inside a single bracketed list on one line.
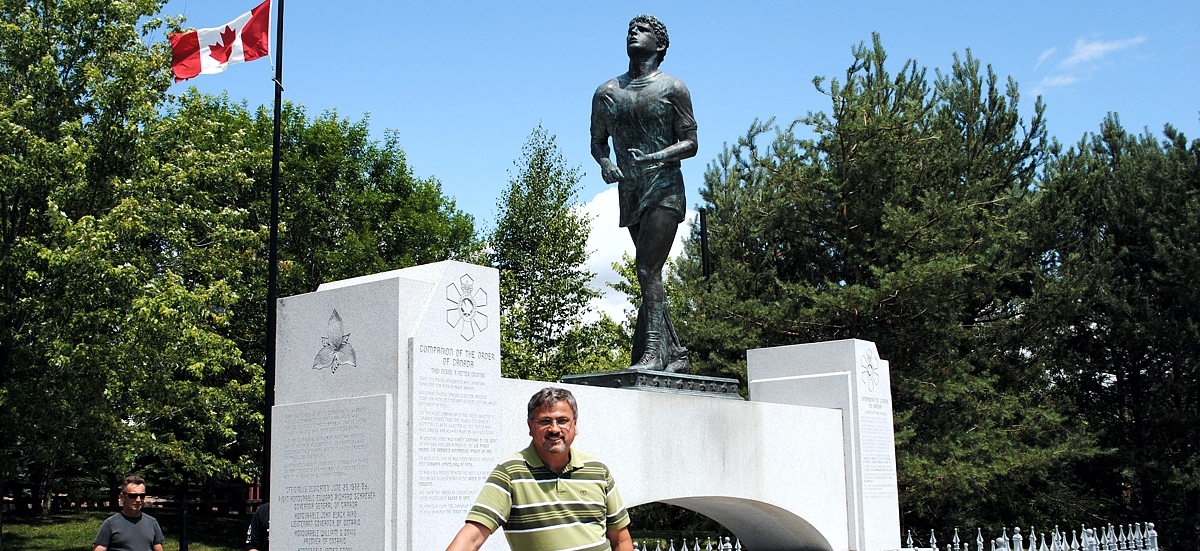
[(464, 83)]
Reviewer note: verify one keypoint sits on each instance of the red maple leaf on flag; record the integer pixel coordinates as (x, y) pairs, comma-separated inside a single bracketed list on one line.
[(221, 52)]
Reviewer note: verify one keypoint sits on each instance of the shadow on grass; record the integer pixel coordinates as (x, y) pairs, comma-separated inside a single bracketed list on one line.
[(215, 533), (16, 541)]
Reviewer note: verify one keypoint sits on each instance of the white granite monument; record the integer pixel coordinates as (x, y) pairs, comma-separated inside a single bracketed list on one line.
[(388, 408), (847, 375), (391, 412)]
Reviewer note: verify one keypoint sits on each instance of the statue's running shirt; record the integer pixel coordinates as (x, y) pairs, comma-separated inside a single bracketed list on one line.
[(649, 113), (541, 510)]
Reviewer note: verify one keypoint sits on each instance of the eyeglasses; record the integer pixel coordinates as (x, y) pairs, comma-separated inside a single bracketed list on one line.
[(545, 422), (134, 496)]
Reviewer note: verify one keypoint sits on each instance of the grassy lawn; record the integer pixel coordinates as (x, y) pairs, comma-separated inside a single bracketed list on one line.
[(74, 530)]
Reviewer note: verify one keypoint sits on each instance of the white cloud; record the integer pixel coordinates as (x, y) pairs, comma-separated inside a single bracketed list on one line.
[(1091, 50), (607, 243), (1045, 54), (1051, 82), (1082, 60)]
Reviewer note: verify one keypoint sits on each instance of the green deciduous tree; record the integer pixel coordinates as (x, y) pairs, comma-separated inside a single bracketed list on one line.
[(134, 301), (133, 250), (77, 82), (540, 247), (353, 206), (902, 222), (350, 205)]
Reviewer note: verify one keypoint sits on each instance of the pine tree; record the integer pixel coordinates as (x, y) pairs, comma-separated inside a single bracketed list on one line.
[(902, 222), (1120, 226)]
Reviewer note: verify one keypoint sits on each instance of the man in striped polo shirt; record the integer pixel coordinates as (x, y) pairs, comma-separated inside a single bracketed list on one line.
[(549, 497)]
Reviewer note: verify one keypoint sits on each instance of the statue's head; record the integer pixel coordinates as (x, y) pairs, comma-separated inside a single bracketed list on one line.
[(659, 30)]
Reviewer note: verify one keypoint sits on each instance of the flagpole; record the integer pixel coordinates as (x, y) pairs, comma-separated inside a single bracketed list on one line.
[(273, 269)]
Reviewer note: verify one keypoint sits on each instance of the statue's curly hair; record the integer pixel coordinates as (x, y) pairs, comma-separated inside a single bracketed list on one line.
[(660, 32)]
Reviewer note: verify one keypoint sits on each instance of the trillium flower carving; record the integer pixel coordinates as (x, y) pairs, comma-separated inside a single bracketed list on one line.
[(466, 314), (335, 349), (870, 370)]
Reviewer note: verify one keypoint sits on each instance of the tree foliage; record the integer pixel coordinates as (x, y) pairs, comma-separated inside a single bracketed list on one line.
[(349, 205), (78, 83), (540, 247), (134, 247), (1120, 227), (903, 221), (354, 206)]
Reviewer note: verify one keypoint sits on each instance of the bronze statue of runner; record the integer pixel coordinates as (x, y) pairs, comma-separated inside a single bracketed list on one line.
[(648, 115)]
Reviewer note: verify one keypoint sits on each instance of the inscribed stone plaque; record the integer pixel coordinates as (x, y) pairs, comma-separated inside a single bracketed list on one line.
[(455, 359), (876, 443), (332, 475)]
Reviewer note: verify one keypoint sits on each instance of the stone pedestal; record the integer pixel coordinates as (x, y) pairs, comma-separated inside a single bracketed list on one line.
[(847, 375), (660, 381), (388, 415)]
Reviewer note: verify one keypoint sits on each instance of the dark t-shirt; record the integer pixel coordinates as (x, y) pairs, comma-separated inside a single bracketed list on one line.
[(258, 535), (649, 113), (122, 533)]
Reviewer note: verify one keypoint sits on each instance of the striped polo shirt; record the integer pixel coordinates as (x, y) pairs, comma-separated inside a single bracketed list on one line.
[(547, 511)]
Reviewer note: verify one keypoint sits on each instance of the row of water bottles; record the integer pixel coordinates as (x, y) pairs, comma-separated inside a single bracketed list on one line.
[(1131, 537), (709, 545)]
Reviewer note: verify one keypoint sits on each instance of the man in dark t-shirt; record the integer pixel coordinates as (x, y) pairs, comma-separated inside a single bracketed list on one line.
[(130, 530), (258, 535)]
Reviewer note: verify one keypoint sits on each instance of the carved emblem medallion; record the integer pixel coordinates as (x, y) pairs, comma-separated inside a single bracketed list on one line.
[(869, 365), (467, 314)]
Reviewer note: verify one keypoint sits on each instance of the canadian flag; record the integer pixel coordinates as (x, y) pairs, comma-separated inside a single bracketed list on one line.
[(209, 51)]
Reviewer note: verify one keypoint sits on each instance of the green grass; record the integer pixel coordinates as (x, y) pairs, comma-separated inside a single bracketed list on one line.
[(74, 531)]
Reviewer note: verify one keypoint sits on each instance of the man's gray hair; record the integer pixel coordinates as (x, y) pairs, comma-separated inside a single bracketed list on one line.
[(548, 397), (660, 32)]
